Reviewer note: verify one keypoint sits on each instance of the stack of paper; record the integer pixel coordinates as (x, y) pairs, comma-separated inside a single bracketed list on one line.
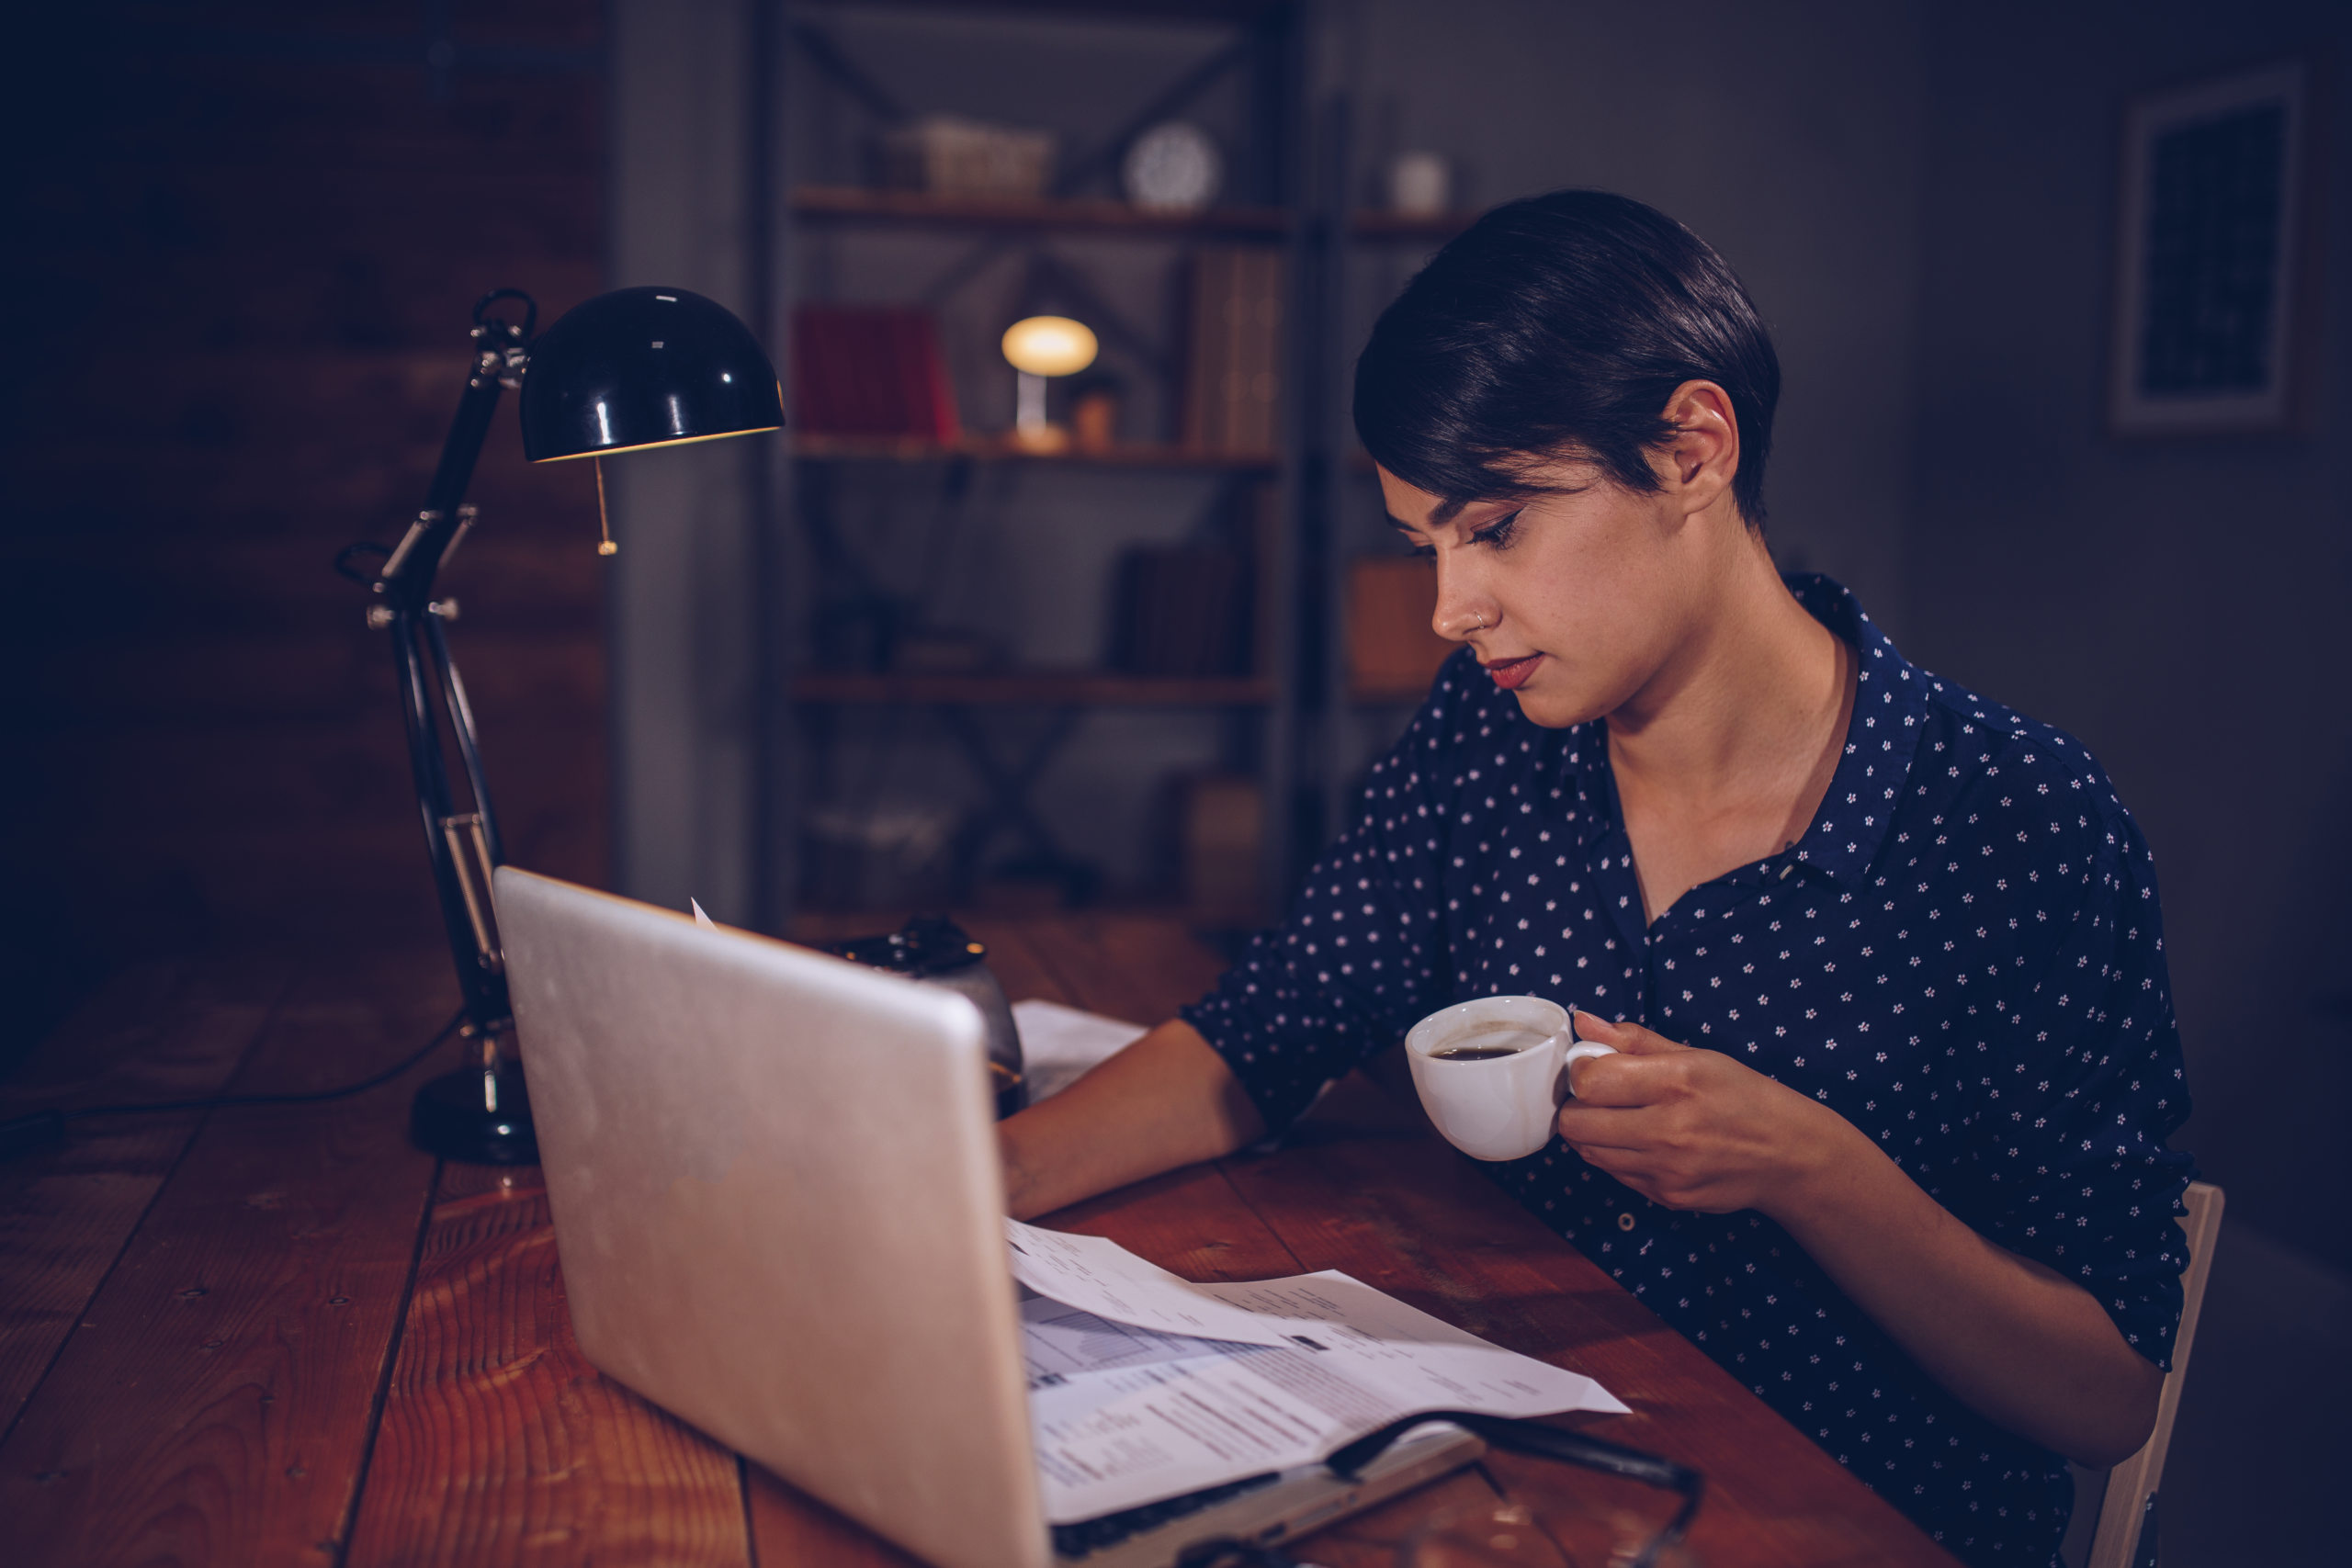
[(1060, 1044), (1143, 1385)]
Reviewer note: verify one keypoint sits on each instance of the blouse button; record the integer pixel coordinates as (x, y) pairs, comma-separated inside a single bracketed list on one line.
[(1625, 1220)]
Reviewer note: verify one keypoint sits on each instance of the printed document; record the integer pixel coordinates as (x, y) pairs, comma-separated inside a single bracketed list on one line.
[(1059, 1044), (1143, 1385), (1107, 1279)]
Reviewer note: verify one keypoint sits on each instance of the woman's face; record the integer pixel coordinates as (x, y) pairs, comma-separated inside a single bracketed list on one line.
[(1577, 601)]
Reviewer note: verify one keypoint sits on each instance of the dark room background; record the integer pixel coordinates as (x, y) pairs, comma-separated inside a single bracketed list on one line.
[(244, 239), (242, 247)]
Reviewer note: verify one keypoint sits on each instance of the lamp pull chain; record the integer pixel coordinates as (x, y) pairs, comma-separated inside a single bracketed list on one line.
[(604, 545)]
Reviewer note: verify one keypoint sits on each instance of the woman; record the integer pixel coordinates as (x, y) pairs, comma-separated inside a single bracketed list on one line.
[(1886, 1133)]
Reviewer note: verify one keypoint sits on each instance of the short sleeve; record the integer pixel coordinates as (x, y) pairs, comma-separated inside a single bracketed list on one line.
[(2073, 1158), (1362, 957)]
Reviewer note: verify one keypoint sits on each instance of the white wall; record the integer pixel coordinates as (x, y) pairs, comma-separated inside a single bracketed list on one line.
[(683, 611)]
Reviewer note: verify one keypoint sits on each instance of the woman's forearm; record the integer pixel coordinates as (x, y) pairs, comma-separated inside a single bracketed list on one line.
[(1165, 1101), (2012, 1340)]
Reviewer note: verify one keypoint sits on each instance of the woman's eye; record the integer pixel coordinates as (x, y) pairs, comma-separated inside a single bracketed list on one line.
[(1422, 552), (1497, 533)]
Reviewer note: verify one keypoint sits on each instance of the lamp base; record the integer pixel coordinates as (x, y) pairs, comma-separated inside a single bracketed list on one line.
[(453, 1117), (1047, 440)]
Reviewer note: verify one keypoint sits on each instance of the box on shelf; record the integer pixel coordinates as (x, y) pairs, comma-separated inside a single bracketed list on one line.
[(948, 155), (887, 856), (1220, 848), (945, 651), (1391, 649)]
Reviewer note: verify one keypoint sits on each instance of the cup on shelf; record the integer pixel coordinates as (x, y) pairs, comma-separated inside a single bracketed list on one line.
[(1420, 185), (1094, 414)]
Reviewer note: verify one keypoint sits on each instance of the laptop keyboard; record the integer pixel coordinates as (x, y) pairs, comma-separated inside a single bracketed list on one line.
[(1092, 1535)]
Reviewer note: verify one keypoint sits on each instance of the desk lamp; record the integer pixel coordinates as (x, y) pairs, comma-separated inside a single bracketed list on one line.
[(1037, 348), (626, 371)]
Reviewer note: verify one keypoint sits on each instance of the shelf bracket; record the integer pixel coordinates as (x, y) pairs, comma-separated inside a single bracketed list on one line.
[(825, 54)]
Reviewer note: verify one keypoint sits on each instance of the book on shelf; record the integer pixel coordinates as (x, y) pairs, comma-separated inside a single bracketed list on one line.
[(1233, 384), (1393, 650), (1181, 611), (870, 371)]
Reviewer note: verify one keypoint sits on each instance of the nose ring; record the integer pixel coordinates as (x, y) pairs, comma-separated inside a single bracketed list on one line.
[(1482, 622)]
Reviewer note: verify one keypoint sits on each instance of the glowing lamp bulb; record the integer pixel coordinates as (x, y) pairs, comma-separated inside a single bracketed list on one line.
[(1049, 346)]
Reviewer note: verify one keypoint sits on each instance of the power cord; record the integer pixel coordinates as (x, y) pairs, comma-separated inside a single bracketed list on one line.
[(22, 1135)]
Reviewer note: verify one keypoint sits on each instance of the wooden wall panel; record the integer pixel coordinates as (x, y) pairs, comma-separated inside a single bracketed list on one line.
[(244, 248)]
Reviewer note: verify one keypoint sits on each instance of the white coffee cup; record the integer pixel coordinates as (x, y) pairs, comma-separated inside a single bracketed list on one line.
[(1497, 1107)]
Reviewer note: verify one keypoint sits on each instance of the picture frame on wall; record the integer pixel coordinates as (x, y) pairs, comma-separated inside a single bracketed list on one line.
[(2208, 333)]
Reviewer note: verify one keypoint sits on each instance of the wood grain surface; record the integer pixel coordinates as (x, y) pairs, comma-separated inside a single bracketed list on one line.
[(302, 1342), (1131, 966), (168, 1032), (216, 1402), (499, 1443)]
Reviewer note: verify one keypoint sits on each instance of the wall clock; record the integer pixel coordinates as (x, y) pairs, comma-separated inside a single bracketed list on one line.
[(1172, 168)]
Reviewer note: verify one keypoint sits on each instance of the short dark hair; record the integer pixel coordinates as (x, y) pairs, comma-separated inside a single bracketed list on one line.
[(1561, 324)]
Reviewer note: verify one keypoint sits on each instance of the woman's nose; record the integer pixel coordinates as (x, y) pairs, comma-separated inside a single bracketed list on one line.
[(1461, 611)]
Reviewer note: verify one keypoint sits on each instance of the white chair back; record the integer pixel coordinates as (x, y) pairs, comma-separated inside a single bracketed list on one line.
[(2132, 1486)]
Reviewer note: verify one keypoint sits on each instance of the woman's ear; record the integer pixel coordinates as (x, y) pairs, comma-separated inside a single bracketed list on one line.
[(1696, 464)]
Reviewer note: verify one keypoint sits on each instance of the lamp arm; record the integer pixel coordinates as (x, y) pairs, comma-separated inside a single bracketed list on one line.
[(463, 847), (458, 846), (502, 353), (455, 703)]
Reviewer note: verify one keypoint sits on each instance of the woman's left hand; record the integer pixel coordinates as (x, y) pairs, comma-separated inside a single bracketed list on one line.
[(1694, 1128)]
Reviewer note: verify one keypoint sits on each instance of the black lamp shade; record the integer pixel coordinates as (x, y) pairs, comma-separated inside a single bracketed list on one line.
[(644, 368)]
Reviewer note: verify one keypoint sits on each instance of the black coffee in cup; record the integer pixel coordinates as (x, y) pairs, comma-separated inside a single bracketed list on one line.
[(1486, 1040)]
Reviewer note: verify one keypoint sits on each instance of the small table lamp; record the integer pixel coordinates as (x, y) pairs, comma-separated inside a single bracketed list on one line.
[(1037, 348), (626, 371)]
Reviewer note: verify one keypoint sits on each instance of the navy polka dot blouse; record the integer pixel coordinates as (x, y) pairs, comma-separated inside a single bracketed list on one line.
[(1962, 956)]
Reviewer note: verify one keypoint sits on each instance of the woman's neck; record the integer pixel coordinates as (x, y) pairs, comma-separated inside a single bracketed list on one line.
[(1723, 756)]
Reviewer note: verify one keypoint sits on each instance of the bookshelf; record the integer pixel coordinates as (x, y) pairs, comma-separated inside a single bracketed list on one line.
[(1032, 688), (849, 203), (1438, 226), (1364, 703), (997, 449), (867, 509)]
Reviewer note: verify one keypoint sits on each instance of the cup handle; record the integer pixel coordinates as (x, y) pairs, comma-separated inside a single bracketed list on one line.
[(1581, 1051)]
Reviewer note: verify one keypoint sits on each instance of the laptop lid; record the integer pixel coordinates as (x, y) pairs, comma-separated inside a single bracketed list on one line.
[(779, 1209)]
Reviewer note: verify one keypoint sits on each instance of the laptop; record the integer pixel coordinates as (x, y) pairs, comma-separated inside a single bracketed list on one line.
[(778, 1198)]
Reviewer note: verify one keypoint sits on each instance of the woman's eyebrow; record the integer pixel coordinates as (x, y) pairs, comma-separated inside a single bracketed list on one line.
[(1442, 513)]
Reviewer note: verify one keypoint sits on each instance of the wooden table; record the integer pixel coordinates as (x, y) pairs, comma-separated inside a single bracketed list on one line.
[(282, 1335)]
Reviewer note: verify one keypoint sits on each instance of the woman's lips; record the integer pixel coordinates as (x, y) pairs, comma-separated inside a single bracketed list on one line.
[(1513, 673)]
